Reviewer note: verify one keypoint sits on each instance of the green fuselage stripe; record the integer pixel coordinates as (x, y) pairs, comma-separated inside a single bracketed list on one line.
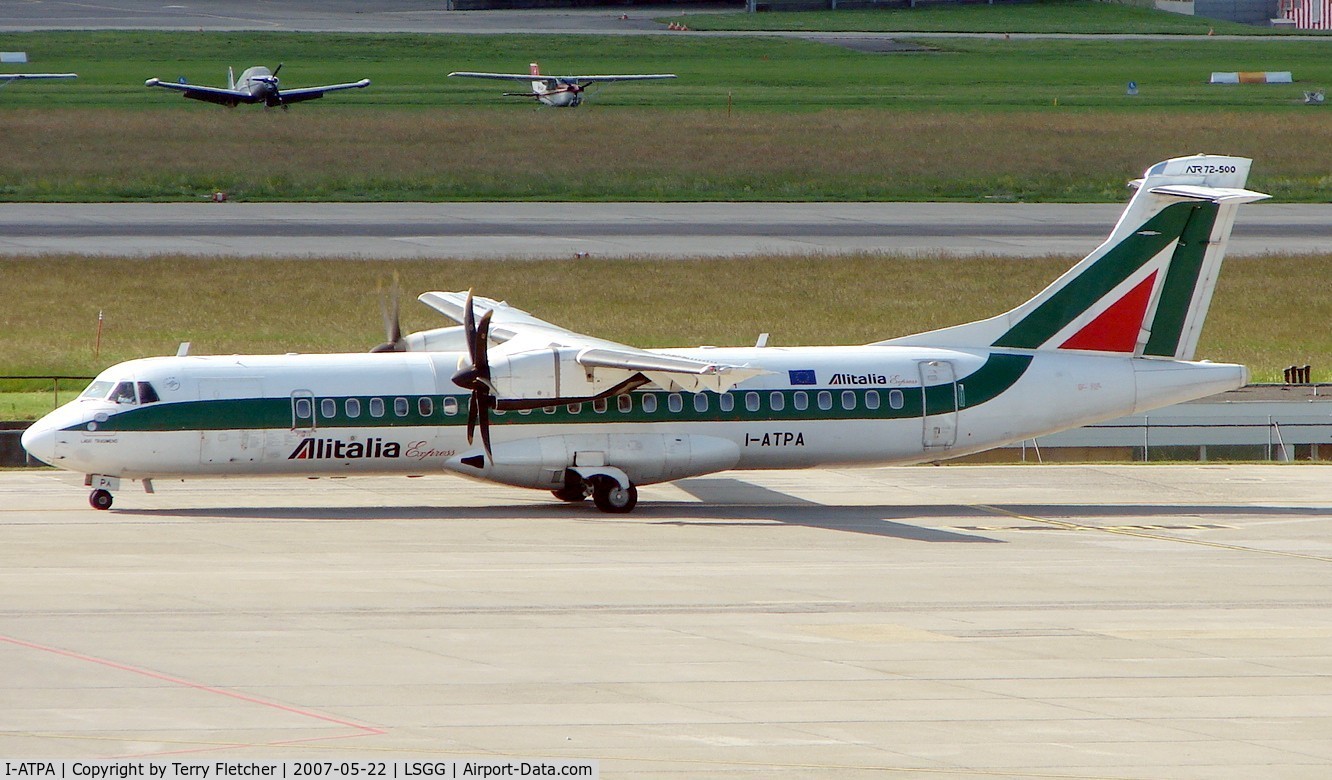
[(1096, 282), (999, 373), (1167, 328)]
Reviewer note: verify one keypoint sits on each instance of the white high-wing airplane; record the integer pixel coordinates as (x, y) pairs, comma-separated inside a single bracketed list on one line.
[(558, 91), (5, 78), (560, 411), (256, 85)]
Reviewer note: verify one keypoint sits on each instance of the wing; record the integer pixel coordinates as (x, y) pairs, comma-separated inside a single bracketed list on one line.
[(221, 95), (519, 331), (594, 79), (25, 76), (502, 76), (310, 93)]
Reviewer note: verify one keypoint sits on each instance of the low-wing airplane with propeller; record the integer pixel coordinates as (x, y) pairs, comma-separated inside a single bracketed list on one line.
[(558, 91), (5, 78), (507, 397), (256, 85)]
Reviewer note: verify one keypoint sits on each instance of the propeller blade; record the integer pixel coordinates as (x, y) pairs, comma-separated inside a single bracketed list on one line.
[(469, 327), (278, 68), (483, 349), (485, 423), (473, 411), (389, 308)]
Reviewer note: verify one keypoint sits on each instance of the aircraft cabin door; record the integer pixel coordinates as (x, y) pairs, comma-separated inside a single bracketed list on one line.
[(302, 411), (938, 381)]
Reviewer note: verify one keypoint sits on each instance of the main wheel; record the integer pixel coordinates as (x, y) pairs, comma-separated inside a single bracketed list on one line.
[(610, 497), (573, 495), (100, 499)]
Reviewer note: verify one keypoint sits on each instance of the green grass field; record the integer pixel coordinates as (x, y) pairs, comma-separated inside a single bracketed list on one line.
[(1041, 16), (1268, 313), (749, 119)]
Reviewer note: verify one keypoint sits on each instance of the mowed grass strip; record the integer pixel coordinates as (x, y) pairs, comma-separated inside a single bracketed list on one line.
[(843, 155), (1268, 313), (1038, 16), (786, 74)]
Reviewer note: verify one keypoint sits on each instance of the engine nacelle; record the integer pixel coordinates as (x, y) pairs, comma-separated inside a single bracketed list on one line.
[(548, 374), (451, 339), (645, 458)]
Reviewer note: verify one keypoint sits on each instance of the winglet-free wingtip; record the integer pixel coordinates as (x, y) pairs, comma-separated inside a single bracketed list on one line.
[(363, 83), (152, 82)]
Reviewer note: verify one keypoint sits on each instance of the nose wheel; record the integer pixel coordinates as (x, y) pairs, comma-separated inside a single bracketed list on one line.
[(100, 499)]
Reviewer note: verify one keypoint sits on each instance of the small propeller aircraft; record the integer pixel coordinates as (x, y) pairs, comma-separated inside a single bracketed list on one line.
[(5, 78), (577, 415), (558, 91), (256, 85)]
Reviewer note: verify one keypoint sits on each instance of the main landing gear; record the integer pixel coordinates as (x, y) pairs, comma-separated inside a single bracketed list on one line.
[(610, 497), (606, 493)]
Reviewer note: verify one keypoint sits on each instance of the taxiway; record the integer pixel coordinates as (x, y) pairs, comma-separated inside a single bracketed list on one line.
[(466, 230)]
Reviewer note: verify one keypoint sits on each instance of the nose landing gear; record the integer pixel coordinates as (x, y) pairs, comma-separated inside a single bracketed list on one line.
[(100, 499)]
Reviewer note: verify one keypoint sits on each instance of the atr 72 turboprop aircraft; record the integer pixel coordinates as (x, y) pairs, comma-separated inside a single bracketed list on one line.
[(572, 414), (558, 91), (256, 85)]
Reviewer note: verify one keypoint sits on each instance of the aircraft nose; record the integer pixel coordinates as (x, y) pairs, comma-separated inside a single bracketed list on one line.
[(39, 441)]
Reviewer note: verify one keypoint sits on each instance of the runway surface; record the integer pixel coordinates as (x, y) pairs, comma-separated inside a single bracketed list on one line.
[(959, 622), (464, 230)]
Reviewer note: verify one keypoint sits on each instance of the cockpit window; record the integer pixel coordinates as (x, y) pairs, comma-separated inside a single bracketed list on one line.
[(97, 389), (147, 393), (124, 393)]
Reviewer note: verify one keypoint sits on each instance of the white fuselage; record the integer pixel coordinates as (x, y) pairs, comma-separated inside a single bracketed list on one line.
[(400, 413)]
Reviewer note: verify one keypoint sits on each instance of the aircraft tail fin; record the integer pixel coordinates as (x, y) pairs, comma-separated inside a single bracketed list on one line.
[(231, 78), (538, 83), (1145, 291)]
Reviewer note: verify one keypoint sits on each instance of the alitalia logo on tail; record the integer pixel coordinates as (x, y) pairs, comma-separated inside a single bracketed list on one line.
[(336, 449)]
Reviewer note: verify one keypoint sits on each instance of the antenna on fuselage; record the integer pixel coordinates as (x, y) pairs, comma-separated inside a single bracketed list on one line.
[(183, 349)]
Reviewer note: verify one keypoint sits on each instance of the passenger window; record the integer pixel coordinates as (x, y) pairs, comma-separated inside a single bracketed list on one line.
[(848, 399), (425, 406), (575, 408), (548, 409), (376, 407), (700, 402), (328, 408), (599, 405), (450, 406), (147, 394), (895, 399), (726, 402), (675, 402), (777, 401), (352, 407), (650, 403), (825, 400), (752, 402), (961, 396), (400, 407), (124, 393), (801, 400), (303, 408), (524, 412), (625, 404), (871, 399)]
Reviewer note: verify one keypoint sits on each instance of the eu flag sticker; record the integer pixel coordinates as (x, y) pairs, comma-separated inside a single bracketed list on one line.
[(804, 376)]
